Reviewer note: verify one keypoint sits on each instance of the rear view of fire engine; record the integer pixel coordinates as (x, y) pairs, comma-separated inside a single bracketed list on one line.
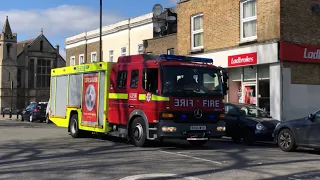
[(142, 98)]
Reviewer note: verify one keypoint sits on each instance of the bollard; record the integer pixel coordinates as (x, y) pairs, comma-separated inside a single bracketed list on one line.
[(17, 116), (10, 114), (2, 113)]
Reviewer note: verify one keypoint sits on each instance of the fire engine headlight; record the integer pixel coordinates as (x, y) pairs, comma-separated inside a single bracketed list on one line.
[(221, 126), (169, 129)]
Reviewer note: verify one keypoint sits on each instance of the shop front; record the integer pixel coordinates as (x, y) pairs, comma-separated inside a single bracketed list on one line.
[(250, 75), (300, 75)]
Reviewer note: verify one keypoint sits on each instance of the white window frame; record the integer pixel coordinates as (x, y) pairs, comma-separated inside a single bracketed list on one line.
[(123, 54), (140, 48), (196, 32), (93, 53), (72, 60), (111, 55), (252, 38), (81, 55)]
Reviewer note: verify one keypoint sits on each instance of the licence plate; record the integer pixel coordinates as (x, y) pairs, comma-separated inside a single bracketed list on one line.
[(198, 128)]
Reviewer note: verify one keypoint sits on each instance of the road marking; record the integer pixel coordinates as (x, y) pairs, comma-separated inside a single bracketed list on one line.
[(158, 175), (201, 159)]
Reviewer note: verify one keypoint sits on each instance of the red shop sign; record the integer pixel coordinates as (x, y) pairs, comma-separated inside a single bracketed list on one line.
[(299, 52), (242, 59)]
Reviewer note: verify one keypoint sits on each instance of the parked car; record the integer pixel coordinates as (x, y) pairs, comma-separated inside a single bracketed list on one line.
[(34, 112), (302, 132), (248, 123)]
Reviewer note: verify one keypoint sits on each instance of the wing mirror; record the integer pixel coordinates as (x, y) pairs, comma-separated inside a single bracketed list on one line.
[(311, 117)]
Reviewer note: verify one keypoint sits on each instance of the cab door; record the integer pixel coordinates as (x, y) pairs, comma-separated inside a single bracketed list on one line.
[(118, 96)]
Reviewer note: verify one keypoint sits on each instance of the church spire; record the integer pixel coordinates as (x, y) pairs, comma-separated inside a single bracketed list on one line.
[(6, 27)]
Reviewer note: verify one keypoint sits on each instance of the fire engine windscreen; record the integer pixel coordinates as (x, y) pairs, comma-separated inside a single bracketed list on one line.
[(191, 81)]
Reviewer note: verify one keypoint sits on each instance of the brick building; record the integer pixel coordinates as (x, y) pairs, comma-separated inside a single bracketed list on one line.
[(270, 48), (25, 68), (161, 45)]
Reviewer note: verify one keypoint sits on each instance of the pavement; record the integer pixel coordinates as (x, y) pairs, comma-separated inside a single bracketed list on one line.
[(44, 151)]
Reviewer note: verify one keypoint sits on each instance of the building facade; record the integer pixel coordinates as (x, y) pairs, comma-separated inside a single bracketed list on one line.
[(269, 48), (122, 38), (25, 68), (161, 45)]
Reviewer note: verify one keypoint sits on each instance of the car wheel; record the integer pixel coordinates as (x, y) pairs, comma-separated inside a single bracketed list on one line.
[(236, 138), (249, 137), (47, 119), (286, 141), (138, 135), (31, 118)]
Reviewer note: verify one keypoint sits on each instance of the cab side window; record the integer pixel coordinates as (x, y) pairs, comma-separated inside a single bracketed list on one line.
[(122, 79), (150, 79), (134, 79)]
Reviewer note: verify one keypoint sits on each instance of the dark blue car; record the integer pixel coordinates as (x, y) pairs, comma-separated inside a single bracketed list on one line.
[(248, 123), (304, 132), (34, 112)]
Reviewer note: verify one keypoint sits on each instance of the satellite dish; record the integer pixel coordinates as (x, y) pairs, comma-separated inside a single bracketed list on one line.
[(157, 29), (171, 18), (173, 10), (157, 9), (145, 44), (163, 30)]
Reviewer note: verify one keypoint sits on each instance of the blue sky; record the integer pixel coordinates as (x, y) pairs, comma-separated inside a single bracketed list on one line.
[(64, 18)]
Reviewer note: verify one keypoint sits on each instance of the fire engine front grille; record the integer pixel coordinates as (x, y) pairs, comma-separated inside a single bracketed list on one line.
[(206, 117)]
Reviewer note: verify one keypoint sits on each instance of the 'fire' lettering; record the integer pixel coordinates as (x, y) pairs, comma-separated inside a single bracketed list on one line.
[(211, 103), (183, 102)]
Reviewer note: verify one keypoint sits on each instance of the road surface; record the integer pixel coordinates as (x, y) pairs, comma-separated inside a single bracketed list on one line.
[(44, 151)]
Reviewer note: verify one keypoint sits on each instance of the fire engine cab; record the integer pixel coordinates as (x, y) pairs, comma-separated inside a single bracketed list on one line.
[(142, 97)]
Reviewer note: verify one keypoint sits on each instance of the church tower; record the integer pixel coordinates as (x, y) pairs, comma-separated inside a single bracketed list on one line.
[(8, 67)]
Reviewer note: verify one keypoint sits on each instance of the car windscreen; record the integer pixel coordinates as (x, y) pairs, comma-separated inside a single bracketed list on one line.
[(253, 111)]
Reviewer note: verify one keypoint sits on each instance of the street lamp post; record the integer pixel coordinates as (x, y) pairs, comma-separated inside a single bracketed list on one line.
[(100, 57)]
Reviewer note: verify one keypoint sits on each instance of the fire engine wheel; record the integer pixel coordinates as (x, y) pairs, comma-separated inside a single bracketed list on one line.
[(198, 143), (138, 135), (74, 128)]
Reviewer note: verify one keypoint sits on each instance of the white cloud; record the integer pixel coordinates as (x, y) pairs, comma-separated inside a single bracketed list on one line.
[(62, 21)]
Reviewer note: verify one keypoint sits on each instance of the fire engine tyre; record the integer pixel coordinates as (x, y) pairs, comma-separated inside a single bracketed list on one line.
[(198, 143), (74, 128), (138, 133)]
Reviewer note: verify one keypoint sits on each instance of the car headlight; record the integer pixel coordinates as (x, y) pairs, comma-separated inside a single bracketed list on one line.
[(260, 127)]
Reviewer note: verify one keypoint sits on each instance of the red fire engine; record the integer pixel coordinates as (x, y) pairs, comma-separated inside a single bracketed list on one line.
[(142, 97)]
